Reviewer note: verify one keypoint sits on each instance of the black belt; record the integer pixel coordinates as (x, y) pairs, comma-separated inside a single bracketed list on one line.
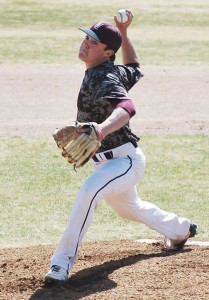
[(108, 155)]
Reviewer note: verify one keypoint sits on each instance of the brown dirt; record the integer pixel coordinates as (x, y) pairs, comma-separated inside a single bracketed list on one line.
[(35, 100), (109, 270)]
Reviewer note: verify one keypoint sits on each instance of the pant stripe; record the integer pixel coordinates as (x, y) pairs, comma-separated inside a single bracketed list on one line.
[(96, 195)]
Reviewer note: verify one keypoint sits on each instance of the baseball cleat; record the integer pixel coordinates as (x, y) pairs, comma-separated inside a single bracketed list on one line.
[(177, 245), (56, 274)]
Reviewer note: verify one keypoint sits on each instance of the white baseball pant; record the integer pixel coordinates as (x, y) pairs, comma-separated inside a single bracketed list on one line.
[(114, 180)]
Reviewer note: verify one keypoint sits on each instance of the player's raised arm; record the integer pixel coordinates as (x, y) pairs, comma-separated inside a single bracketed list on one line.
[(128, 50)]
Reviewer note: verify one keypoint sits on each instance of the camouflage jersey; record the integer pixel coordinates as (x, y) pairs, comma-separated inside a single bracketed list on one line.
[(103, 87)]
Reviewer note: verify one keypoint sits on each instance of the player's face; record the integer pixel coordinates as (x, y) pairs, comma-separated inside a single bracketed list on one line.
[(93, 52)]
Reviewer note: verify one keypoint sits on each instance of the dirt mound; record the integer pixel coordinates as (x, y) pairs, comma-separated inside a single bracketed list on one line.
[(108, 270)]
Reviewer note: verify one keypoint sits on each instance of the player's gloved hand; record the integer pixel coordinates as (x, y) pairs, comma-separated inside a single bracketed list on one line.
[(85, 128), (79, 141)]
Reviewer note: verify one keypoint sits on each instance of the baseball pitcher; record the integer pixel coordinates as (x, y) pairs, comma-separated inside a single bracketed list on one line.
[(102, 133)]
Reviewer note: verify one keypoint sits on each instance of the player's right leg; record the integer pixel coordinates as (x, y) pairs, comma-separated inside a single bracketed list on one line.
[(176, 229)]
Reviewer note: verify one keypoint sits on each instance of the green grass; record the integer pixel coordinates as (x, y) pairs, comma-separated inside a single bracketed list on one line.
[(46, 31), (61, 50), (38, 187), (33, 50), (72, 15)]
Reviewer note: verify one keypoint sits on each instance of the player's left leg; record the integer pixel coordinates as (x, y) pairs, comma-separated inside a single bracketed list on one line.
[(110, 177)]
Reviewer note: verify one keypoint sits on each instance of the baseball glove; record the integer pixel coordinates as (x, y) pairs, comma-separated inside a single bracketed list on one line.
[(78, 141)]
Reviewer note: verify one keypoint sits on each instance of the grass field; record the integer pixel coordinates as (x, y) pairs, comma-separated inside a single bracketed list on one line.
[(37, 186)]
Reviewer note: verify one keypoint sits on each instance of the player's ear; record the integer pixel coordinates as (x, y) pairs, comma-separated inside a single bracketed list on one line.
[(109, 52)]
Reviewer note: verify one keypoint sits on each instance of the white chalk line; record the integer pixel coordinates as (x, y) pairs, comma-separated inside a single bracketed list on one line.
[(194, 243)]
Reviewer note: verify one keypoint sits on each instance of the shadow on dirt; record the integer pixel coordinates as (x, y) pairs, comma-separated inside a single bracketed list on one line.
[(91, 280)]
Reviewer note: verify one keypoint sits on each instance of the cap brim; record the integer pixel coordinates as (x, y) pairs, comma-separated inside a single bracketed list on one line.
[(90, 33)]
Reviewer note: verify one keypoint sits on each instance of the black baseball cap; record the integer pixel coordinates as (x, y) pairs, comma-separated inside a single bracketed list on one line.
[(105, 33)]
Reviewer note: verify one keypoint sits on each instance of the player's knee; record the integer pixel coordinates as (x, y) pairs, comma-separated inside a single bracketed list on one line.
[(89, 193)]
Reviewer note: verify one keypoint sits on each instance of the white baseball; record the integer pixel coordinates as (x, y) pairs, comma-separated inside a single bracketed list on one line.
[(121, 16)]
